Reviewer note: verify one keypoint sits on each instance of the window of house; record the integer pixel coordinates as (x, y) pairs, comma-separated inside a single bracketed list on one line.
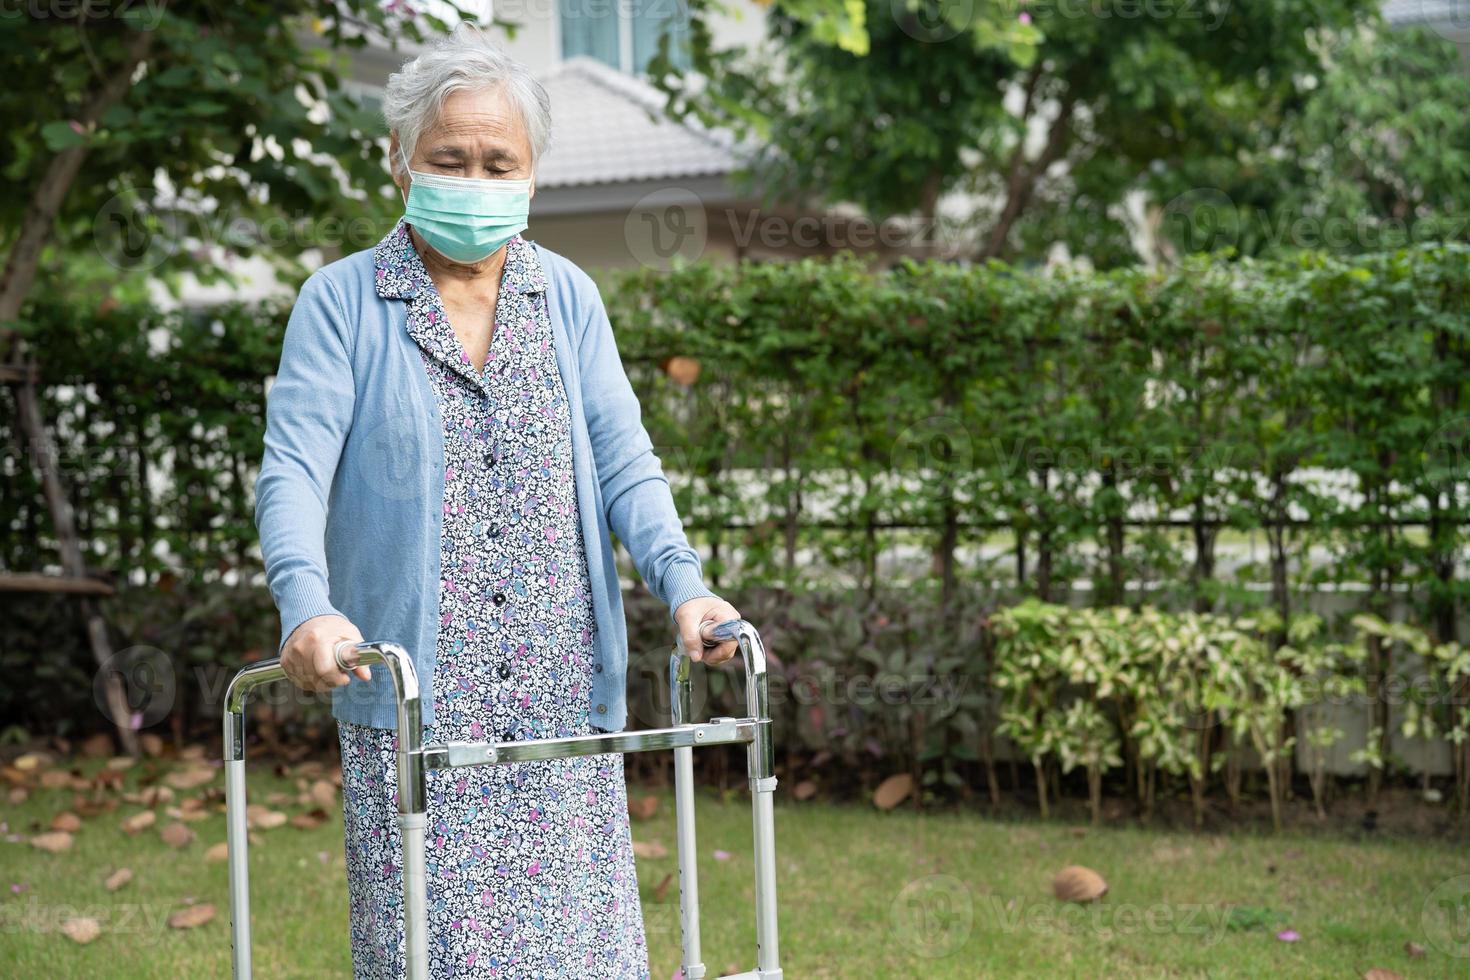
[(624, 33)]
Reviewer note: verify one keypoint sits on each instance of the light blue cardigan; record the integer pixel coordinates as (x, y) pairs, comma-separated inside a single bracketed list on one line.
[(349, 496)]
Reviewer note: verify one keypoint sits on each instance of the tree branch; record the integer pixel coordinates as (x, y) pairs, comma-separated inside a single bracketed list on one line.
[(1021, 181), (61, 172)]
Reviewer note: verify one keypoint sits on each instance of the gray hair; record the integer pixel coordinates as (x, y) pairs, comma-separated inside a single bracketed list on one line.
[(463, 61)]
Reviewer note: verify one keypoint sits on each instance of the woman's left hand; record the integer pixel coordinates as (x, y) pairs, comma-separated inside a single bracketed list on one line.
[(694, 613)]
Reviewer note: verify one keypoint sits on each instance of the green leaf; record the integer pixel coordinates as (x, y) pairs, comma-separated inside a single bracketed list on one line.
[(61, 136)]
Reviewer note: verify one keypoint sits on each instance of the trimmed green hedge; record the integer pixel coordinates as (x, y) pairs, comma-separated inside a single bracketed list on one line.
[(1115, 426), (823, 423)]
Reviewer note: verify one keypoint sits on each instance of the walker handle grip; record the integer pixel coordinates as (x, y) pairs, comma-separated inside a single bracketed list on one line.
[(348, 654), (713, 633)]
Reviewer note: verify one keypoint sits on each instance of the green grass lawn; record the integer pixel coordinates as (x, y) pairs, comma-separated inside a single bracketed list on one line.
[(863, 894)]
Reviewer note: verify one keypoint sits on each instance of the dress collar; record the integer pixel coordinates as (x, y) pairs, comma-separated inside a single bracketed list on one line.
[(400, 272)]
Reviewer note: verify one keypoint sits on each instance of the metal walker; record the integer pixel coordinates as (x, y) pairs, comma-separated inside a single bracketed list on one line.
[(415, 759)]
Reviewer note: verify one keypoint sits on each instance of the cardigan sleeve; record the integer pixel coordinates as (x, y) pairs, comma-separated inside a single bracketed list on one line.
[(308, 415), (635, 492)]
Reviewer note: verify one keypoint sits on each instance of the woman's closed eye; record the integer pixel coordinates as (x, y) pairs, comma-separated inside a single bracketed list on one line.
[(458, 169)]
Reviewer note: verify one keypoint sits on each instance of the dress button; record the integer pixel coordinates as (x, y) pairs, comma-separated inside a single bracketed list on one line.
[(597, 668), (505, 673), (602, 709), (498, 598)]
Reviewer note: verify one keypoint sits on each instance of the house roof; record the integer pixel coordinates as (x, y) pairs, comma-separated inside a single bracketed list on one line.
[(1406, 13), (610, 128)]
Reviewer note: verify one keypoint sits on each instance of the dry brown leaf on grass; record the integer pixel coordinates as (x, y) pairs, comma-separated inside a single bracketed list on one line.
[(194, 808), (309, 820), (52, 843), (97, 746), (56, 779), (17, 795), (1075, 883), (154, 795), (190, 777), (118, 878), (643, 807), (191, 916), (32, 761), (176, 835), (151, 744), (86, 807), (193, 753), (323, 793), (82, 930), (269, 820), (67, 821), (804, 790), (649, 849), (893, 791), (119, 763), (218, 852), (139, 821), (1378, 973), (105, 779)]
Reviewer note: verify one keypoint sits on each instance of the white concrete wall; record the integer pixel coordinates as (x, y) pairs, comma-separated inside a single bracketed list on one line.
[(537, 40)]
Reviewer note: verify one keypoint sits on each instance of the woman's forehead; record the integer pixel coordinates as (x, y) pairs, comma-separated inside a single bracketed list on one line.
[(476, 120)]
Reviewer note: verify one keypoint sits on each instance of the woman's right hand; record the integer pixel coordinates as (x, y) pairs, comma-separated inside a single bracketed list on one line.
[(309, 660)]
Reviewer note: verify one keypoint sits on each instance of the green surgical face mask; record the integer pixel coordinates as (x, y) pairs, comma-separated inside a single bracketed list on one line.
[(462, 218)]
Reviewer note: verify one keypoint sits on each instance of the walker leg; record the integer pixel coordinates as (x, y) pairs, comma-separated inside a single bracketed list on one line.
[(411, 797), (415, 899), (688, 855), (691, 962), (413, 822), (760, 764), (767, 951), (238, 844)]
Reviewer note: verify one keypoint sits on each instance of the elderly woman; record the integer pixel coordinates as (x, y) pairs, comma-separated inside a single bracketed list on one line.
[(451, 441)]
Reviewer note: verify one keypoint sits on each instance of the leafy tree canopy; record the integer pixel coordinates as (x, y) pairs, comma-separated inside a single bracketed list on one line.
[(1047, 117)]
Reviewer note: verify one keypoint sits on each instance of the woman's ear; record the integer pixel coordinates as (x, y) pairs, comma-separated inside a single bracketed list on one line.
[(395, 162)]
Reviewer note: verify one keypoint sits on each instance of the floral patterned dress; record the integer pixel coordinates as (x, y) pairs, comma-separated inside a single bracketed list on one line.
[(530, 865)]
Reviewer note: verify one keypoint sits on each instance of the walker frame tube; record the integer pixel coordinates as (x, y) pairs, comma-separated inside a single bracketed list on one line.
[(411, 799), (415, 759)]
